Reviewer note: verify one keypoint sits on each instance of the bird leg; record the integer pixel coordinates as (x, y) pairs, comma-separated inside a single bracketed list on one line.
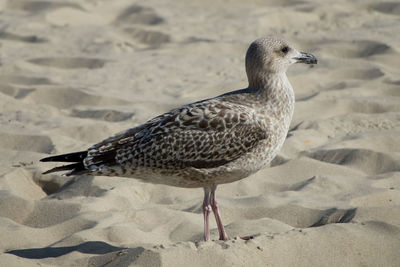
[(214, 206), (206, 213)]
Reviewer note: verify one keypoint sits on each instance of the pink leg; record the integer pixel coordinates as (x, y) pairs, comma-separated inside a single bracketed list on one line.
[(206, 214), (214, 206)]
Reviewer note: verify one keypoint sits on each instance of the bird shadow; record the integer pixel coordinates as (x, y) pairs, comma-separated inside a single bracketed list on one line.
[(90, 247)]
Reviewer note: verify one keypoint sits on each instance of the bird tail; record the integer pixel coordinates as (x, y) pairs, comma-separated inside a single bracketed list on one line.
[(76, 168)]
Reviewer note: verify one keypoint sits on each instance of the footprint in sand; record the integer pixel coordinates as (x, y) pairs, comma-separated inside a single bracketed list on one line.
[(392, 8), (25, 80), (136, 14), (352, 123), (393, 82), (357, 49), (154, 38), (80, 187), (369, 73), (70, 97), (40, 6), (35, 214), (335, 215), (368, 161), (287, 3), (352, 49), (10, 85), (102, 114), (60, 97), (306, 217), (22, 142), (374, 105), (17, 93), (69, 62), (8, 36)]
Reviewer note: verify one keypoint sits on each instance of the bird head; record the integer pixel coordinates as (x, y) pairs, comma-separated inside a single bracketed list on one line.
[(271, 55)]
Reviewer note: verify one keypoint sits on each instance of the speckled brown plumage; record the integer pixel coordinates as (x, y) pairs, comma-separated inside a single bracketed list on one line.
[(209, 142)]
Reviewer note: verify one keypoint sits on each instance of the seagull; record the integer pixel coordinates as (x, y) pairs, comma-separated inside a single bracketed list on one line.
[(209, 142)]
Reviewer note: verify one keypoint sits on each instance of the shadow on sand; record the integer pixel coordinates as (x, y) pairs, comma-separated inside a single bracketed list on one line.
[(91, 247)]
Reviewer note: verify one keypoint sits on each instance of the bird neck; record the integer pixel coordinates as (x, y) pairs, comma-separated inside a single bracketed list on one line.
[(271, 87), (275, 94)]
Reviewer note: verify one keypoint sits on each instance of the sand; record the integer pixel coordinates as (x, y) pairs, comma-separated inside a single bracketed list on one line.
[(75, 72)]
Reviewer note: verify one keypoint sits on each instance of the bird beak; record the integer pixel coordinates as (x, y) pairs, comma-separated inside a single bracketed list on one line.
[(307, 58)]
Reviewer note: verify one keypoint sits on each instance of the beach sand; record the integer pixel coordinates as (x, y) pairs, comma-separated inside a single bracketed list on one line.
[(75, 72)]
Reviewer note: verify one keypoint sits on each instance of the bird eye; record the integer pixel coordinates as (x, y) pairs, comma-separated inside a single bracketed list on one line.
[(285, 49)]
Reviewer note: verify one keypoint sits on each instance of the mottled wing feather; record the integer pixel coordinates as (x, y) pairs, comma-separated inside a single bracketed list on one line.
[(201, 135), (127, 134)]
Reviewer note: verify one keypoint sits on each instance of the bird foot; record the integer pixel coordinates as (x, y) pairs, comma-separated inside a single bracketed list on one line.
[(224, 238)]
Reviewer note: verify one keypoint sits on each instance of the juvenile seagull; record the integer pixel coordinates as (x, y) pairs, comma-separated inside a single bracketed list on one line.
[(206, 143)]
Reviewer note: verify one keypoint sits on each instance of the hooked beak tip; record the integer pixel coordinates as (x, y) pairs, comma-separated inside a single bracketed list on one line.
[(306, 58)]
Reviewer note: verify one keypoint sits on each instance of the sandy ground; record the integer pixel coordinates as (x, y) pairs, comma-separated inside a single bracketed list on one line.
[(75, 72)]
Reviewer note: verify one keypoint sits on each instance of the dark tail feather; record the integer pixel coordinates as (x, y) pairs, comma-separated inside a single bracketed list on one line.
[(75, 168), (71, 157)]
